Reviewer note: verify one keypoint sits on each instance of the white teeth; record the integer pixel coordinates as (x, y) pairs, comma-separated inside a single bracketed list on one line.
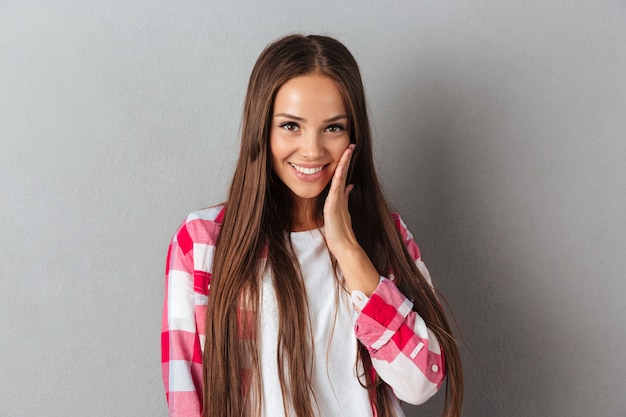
[(307, 171)]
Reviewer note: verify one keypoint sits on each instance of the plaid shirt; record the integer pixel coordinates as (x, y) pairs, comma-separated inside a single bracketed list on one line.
[(404, 352)]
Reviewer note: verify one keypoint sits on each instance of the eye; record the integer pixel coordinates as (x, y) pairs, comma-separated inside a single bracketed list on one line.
[(336, 128), (290, 126)]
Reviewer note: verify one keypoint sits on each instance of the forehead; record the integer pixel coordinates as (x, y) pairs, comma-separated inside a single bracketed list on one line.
[(311, 93)]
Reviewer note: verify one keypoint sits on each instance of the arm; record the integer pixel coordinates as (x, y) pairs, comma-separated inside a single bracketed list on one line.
[(404, 352), (186, 290)]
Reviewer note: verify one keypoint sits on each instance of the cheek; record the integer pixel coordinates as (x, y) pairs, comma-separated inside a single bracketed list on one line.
[(339, 147), (276, 149)]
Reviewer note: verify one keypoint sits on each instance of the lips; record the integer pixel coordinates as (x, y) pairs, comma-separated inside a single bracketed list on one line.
[(307, 170)]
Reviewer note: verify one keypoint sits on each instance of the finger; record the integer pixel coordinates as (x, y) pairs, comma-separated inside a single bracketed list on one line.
[(346, 157), (341, 172)]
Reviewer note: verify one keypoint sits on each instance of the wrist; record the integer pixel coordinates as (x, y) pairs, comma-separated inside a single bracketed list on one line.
[(358, 271)]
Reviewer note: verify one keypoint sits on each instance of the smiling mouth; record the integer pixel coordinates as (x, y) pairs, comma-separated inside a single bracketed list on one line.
[(307, 171)]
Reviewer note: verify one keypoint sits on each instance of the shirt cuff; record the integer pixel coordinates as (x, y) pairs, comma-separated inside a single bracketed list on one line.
[(359, 299), (381, 314)]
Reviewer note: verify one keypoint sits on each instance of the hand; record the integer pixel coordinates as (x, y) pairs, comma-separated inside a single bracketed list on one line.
[(358, 271), (337, 222)]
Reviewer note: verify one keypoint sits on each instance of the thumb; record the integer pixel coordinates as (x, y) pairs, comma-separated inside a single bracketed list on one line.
[(349, 188)]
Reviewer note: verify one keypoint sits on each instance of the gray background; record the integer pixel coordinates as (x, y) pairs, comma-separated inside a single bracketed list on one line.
[(500, 136)]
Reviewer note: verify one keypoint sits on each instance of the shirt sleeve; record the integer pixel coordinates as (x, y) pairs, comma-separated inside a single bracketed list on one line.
[(404, 351), (180, 340)]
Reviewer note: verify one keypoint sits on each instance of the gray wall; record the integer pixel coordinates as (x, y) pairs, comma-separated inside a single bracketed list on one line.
[(501, 138)]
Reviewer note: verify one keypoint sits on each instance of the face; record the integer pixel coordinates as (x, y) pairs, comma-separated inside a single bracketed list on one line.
[(308, 135)]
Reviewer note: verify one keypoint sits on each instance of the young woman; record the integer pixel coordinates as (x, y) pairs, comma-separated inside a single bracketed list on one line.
[(303, 294)]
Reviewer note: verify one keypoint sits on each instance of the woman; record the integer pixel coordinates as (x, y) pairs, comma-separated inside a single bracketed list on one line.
[(319, 302)]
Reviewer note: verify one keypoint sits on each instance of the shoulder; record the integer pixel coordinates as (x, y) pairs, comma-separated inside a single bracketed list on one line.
[(407, 236), (201, 227)]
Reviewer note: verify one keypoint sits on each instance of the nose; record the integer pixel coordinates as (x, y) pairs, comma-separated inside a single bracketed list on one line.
[(312, 147)]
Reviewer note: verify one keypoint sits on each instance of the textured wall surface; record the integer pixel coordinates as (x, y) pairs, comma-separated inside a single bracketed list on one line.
[(500, 136)]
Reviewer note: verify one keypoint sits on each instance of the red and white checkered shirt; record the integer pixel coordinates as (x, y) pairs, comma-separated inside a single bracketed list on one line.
[(404, 352)]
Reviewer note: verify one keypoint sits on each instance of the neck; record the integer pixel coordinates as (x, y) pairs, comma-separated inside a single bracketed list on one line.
[(304, 217)]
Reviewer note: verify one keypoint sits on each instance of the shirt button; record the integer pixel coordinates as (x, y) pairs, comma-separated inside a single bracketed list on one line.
[(434, 368)]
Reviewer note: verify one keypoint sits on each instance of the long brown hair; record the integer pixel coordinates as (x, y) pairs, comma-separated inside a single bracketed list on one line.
[(254, 236)]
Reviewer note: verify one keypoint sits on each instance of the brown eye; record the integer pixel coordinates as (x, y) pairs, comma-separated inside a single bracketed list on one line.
[(290, 126), (335, 128)]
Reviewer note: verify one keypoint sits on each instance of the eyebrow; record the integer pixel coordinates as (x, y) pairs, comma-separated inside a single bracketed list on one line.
[(300, 119)]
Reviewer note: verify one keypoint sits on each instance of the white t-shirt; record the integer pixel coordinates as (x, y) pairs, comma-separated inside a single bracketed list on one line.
[(334, 377)]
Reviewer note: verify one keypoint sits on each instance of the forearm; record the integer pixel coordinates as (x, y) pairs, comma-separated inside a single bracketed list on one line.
[(357, 269)]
